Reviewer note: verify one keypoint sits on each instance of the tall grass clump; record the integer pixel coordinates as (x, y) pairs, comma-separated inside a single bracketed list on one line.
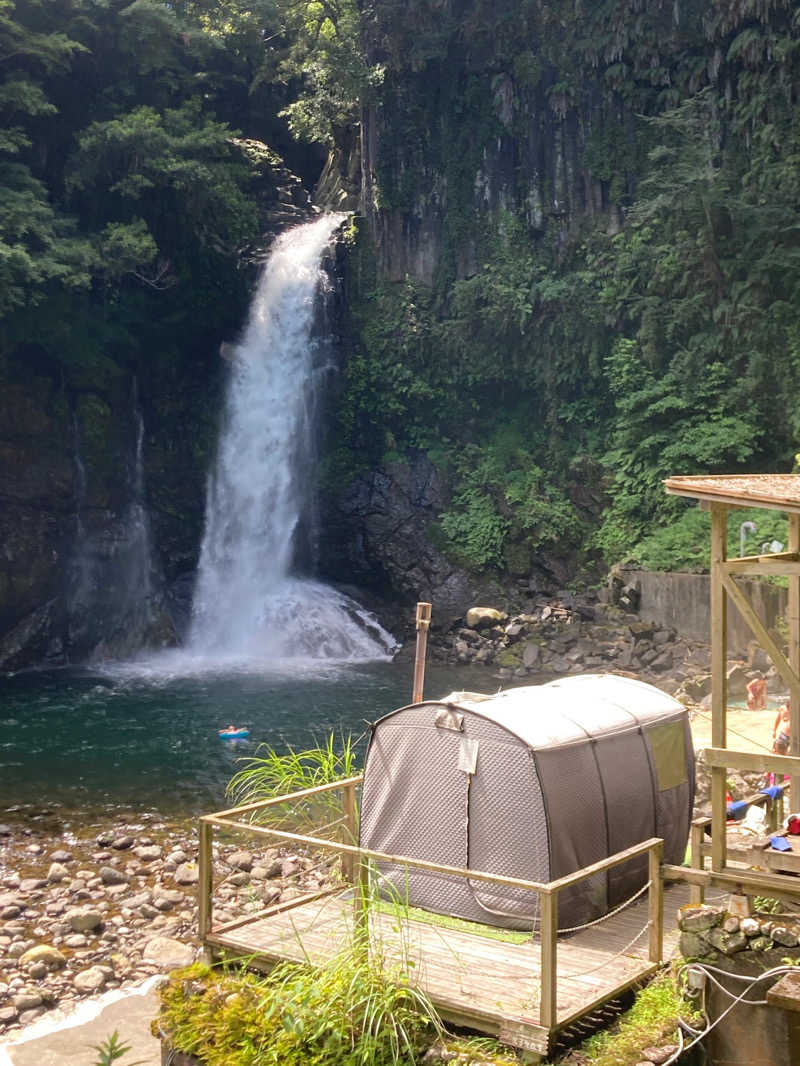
[(350, 1012), (271, 773)]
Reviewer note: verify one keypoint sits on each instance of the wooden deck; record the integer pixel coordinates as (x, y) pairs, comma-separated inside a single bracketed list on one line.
[(489, 985)]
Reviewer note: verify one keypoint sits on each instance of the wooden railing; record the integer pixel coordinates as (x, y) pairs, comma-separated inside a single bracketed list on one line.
[(701, 849), (355, 868)]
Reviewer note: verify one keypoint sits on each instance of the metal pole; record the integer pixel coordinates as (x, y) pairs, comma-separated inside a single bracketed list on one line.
[(423, 622)]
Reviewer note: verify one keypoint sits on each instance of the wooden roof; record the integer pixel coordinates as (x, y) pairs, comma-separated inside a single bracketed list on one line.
[(777, 492)]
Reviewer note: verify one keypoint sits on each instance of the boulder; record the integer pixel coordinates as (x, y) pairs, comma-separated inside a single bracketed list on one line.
[(44, 953), (109, 875), (241, 860), (168, 954), (27, 1000), (727, 943), (531, 654), (91, 980), (692, 946), (83, 919), (187, 874), (148, 852), (57, 873), (783, 936), (480, 617)]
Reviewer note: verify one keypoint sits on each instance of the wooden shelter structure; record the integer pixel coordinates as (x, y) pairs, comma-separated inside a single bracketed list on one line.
[(721, 494)]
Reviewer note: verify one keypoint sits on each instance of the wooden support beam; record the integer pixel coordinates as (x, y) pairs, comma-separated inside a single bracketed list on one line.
[(351, 828), (276, 908), (752, 762), (719, 664), (794, 648), (701, 878), (741, 882), (764, 639), (758, 883), (656, 903), (361, 904), (768, 557), (764, 565), (289, 797), (382, 856), (423, 620), (548, 1004), (603, 864), (697, 892), (205, 880)]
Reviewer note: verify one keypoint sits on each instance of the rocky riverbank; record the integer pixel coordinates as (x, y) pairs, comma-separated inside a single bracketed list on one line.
[(566, 634), (112, 908)]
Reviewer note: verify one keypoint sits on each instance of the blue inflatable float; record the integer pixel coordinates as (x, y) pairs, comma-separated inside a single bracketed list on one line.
[(234, 734)]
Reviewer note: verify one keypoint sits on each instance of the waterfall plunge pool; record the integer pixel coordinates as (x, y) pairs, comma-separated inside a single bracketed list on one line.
[(124, 739)]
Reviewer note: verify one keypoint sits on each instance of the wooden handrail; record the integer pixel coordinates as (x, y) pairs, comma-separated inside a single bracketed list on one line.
[(752, 761), (353, 864), (277, 800), (604, 864), (379, 856)]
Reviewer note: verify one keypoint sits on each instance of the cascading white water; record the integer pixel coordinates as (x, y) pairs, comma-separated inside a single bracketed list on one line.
[(247, 605)]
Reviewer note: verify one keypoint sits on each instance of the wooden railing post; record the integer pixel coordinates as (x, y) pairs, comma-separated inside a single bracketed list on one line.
[(351, 828), (697, 893), (548, 1008), (361, 902), (719, 692), (205, 885), (656, 902), (423, 622), (794, 647)]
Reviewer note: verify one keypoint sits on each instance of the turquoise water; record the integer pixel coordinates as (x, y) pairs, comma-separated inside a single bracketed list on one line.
[(140, 738)]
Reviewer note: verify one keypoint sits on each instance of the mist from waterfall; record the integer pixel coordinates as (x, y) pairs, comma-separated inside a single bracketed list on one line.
[(248, 605)]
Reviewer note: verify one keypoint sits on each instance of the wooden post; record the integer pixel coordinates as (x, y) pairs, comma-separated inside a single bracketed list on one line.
[(361, 904), (719, 693), (205, 881), (350, 828), (423, 622), (655, 899), (794, 652), (697, 893), (548, 1007)]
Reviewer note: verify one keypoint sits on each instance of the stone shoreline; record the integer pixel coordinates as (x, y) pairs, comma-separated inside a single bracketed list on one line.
[(116, 907)]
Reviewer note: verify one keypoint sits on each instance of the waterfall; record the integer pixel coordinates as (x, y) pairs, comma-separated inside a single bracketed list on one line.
[(247, 602), (110, 594)]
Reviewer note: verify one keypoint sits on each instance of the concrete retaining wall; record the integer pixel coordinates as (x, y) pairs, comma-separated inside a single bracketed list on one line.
[(682, 601)]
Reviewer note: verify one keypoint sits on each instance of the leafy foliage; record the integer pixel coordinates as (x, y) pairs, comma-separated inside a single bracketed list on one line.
[(349, 1012), (640, 326), (506, 510)]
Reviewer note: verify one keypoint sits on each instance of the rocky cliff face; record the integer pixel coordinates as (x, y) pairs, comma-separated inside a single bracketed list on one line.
[(80, 575), (379, 532)]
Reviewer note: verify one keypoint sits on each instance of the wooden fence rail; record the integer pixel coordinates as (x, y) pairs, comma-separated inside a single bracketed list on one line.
[(355, 869)]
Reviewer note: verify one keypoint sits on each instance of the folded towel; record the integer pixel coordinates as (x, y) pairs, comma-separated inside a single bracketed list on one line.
[(737, 809), (773, 791), (780, 843)]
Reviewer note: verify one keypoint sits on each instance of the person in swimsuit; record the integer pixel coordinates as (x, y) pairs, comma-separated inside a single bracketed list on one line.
[(781, 731), (757, 694)]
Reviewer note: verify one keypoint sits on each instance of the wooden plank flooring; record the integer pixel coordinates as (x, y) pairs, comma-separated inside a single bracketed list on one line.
[(488, 984)]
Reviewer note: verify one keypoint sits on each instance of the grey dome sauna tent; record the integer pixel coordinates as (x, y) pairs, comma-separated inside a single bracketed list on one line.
[(535, 783)]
